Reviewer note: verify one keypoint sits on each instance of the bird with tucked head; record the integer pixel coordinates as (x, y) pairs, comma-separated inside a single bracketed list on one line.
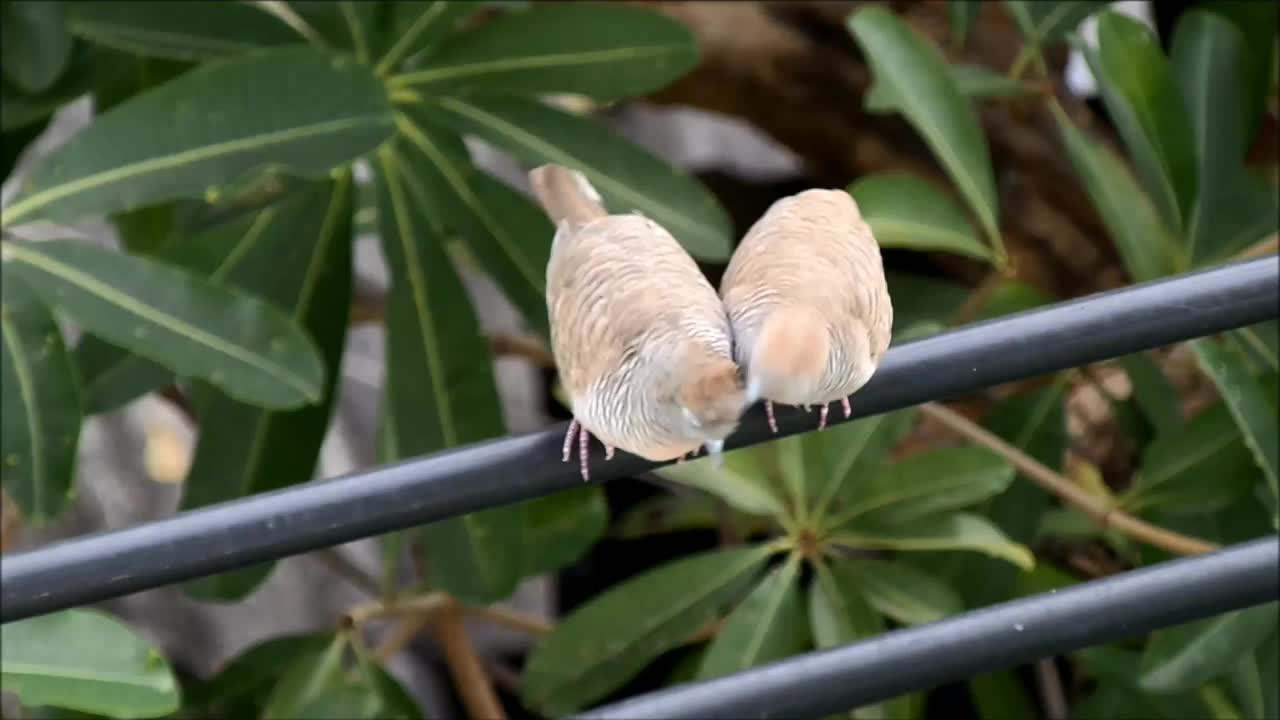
[(807, 299), (640, 338)]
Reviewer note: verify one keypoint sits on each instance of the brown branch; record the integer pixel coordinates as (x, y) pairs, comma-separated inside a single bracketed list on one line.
[(361, 614), (1053, 482), (473, 682), (401, 636), (513, 619), (530, 348), (1049, 682)]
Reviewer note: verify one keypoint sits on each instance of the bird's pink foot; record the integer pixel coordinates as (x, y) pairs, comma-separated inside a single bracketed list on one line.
[(568, 440), (584, 453), (608, 452), (848, 409), (768, 411), (822, 417)]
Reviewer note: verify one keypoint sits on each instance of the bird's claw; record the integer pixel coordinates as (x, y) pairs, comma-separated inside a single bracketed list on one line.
[(768, 411), (848, 409), (822, 417), (584, 448)]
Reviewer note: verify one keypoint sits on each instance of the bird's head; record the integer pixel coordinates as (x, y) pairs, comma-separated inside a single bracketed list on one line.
[(712, 399)]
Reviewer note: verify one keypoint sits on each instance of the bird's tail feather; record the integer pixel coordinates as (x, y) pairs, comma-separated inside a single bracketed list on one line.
[(790, 350), (566, 195)]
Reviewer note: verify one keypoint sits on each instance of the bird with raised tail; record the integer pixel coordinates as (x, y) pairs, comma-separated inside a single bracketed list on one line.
[(808, 302), (640, 338)]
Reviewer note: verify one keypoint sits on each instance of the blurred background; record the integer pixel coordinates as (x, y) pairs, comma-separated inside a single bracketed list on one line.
[(1007, 155)]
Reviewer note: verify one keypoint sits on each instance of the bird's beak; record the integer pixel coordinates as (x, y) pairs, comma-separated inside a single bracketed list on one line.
[(714, 449)]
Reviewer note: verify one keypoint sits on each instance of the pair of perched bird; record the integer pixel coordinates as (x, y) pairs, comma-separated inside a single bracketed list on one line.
[(656, 363)]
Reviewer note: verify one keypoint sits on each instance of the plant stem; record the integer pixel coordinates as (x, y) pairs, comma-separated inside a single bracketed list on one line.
[(465, 666), (287, 15), (402, 45), (361, 614), (513, 619), (1055, 483)]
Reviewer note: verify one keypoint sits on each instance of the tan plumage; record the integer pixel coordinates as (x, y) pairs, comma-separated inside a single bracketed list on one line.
[(640, 337), (807, 299)]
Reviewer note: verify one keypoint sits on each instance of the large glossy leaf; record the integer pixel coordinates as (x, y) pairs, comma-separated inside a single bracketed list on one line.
[(1268, 662), (921, 298), (1244, 397), (601, 51), (301, 263), (914, 75), (603, 643), (1035, 423), (853, 455), (1116, 673), (41, 404), (419, 27), (292, 108), (973, 81), (440, 383), (317, 685), (927, 484), (560, 528), (246, 679), (1232, 208), (509, 235), (1186, 656), (838, 615), (1257, 21), (1144, 241), (1142, 99), (85, 660), (244, 346), (905, 211), (36, 49), (195, 30), (960, 531), (900, 591), (627, 177), (1044, 21), (769, 624), (742, 480), (1198, 468), (1153, 392), (111, 375)]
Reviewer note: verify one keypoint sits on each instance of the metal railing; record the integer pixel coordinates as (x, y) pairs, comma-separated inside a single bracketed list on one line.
[(316, 515)]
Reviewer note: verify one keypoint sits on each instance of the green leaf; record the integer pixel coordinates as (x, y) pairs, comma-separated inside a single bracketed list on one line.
[(1231, 209), (999, 696), (770, 624), (604, 642), (900, 591), (920, 298), (914, 74), (838, 615), (1144, 242), (560, 528), (419, 27), (36, 49), (741, 480), (960, 531), (112, 376), (627, 177), (1045, 21), (290, 109), (1245, 399), (1268, 661), (1118, 695), (1143, 101), (250, 675), (318, 685), (1184, 657), (1257, 21), (196, 30), (1010, 296), (601, 51), (244, 346), (301, 263), (1198, 468), (509, 235), (1153, 392), (667, 513), (41, 404), (441, 386), (1246, 684), (905, 211), (962, 13), (930, 483), (88, 661), (973, 81), (853, 455)]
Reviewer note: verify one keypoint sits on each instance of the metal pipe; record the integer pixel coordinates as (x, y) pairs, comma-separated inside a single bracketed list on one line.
[(306, 517), (834, 681)]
